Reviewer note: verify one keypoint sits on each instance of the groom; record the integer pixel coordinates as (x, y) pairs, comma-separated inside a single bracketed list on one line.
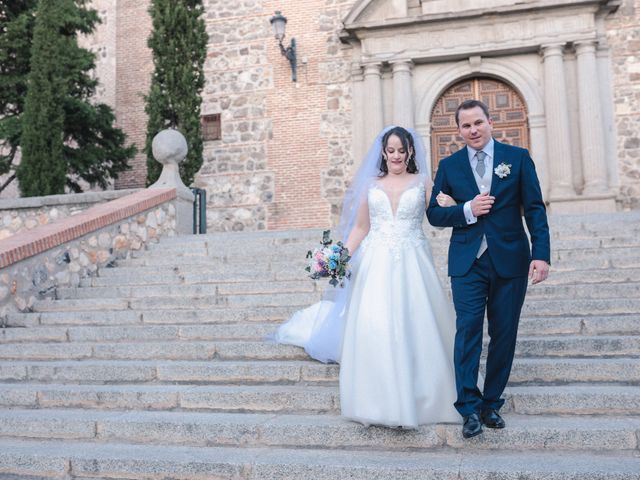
[(489, 256)]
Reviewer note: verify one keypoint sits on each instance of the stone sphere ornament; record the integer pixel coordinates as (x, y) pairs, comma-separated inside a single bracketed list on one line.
[(169, 148)]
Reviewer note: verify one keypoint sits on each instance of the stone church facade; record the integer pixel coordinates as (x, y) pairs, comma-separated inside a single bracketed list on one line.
[(562, 78)]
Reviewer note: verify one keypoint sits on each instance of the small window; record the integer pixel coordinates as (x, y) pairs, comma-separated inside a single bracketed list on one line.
[(211, 127)]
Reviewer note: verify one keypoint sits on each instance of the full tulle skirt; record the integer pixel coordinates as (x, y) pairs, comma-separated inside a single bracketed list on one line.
[(396, 366)]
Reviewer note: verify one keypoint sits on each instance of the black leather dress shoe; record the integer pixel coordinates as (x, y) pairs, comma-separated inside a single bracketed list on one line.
[(492, 419), (472, 426)]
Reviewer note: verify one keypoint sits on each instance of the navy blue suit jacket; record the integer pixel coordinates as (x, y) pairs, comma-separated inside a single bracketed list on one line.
[(507, 241)]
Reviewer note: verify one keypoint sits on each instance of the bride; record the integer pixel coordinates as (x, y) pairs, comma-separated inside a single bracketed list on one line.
[(391, 327)]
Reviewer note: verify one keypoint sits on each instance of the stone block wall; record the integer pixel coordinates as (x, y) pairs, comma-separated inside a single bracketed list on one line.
[(285, 147), (35, 264), (24, 214), (623, 36)]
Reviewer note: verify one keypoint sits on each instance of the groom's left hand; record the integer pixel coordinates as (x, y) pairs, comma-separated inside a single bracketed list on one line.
[(538, 271)]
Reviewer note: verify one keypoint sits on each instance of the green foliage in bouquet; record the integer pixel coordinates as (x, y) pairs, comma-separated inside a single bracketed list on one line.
[(329, 261)]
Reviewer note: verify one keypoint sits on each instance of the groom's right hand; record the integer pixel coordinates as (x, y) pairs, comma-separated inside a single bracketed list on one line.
[(481, 204)]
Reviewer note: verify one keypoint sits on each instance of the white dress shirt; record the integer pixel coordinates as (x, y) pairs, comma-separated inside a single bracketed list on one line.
[(484, 183)]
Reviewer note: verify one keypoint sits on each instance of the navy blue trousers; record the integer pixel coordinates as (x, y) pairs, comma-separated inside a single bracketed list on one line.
[(479, 290)]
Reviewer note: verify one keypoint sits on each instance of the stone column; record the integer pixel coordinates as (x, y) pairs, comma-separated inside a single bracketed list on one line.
[(592, 148), (402, 94), (373, 114), (558, 134)]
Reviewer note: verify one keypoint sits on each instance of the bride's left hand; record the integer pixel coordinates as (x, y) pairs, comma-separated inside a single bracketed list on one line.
[(445, 200)]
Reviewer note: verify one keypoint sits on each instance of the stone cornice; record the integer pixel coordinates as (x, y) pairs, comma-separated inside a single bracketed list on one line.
[(355, 29)]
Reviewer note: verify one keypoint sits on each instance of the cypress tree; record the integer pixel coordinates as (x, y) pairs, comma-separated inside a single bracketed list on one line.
[(42, 170), (179, 45), (16, 31), (64, 136)]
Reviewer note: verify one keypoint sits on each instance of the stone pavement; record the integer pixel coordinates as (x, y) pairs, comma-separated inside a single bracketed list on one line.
[(157, 369)]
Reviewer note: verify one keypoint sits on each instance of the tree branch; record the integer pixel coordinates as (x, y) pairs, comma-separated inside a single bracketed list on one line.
[(7, 181)]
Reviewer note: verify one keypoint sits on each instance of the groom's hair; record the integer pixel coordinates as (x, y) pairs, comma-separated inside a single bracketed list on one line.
[(468, 105)]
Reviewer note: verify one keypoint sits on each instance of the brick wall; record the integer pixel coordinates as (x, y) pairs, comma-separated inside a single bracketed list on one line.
[(285, 146), (133, 68)]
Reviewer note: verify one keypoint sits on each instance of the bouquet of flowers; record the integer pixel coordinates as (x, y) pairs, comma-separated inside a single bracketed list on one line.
[(329, 261)]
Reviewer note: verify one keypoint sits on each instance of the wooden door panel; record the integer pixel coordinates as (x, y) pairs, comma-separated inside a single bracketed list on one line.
[(510, 123)]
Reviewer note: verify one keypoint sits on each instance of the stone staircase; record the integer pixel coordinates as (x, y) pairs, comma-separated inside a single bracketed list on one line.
[(157, 369)]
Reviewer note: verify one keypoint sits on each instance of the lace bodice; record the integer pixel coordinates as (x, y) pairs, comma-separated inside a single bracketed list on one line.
[(402, 229)]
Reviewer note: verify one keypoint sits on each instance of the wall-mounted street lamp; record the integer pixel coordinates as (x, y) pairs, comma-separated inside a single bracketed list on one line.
[(279, 23)]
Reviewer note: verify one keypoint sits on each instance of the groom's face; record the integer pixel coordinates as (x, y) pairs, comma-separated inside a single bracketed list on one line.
[(474, 127)]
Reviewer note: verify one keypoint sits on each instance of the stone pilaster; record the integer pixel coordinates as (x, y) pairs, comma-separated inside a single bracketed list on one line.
[(592, 145), (373, 121), (358, 148), (403, 94), (558, 135)]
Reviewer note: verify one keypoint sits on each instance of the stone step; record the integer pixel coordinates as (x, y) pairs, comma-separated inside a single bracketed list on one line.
[(546, 290), (563, 307), (168, 372), (559, 371), (54, 459), (539, 400), (263, 398), (533, 306), (205, 273), (217, 288), (126, 333), (245, 398), (612, 434), (586, 291), (525, 371), (170, 278), (529, 326), (151, 317), (574, 400), (578, 346), (172, 350), (615, 270), (568, 259), (603, 276), (526, 347), (204, 301)]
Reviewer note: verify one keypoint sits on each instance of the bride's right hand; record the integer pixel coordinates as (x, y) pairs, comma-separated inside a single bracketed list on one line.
[(445, 200)]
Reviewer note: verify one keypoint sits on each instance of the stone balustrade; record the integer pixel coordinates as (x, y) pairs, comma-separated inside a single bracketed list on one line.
[(24, 214), (35, 263), (54, 243)]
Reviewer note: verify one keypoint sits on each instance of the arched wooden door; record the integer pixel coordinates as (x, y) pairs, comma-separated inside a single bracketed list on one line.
[(510, 124)]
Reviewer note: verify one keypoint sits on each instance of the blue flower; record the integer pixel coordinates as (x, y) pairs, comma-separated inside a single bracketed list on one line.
[(332, 265)]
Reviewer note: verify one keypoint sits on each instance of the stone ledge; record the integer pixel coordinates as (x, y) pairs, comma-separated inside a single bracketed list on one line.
[(45, 237), (66, 199)]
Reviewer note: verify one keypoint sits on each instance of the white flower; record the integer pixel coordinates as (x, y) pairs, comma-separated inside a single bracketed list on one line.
[(502, 170)]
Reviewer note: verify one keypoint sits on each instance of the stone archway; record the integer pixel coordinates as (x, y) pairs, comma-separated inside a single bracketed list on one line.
[(507, 108)]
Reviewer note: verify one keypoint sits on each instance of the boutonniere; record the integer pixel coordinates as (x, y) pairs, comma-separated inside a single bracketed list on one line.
[(502, 170)]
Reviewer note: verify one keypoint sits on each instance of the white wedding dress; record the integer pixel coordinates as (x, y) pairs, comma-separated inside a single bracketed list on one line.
[(396, 361)]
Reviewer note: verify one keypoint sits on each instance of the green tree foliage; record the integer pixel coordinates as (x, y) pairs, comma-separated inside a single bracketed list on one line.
[(16, 30), (64, 136), (179, 46)]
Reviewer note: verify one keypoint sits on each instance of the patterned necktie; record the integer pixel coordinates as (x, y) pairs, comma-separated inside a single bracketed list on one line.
[(480, 167)]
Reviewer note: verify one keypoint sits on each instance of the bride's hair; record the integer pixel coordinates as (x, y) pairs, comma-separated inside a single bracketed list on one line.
[(407, 143)]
